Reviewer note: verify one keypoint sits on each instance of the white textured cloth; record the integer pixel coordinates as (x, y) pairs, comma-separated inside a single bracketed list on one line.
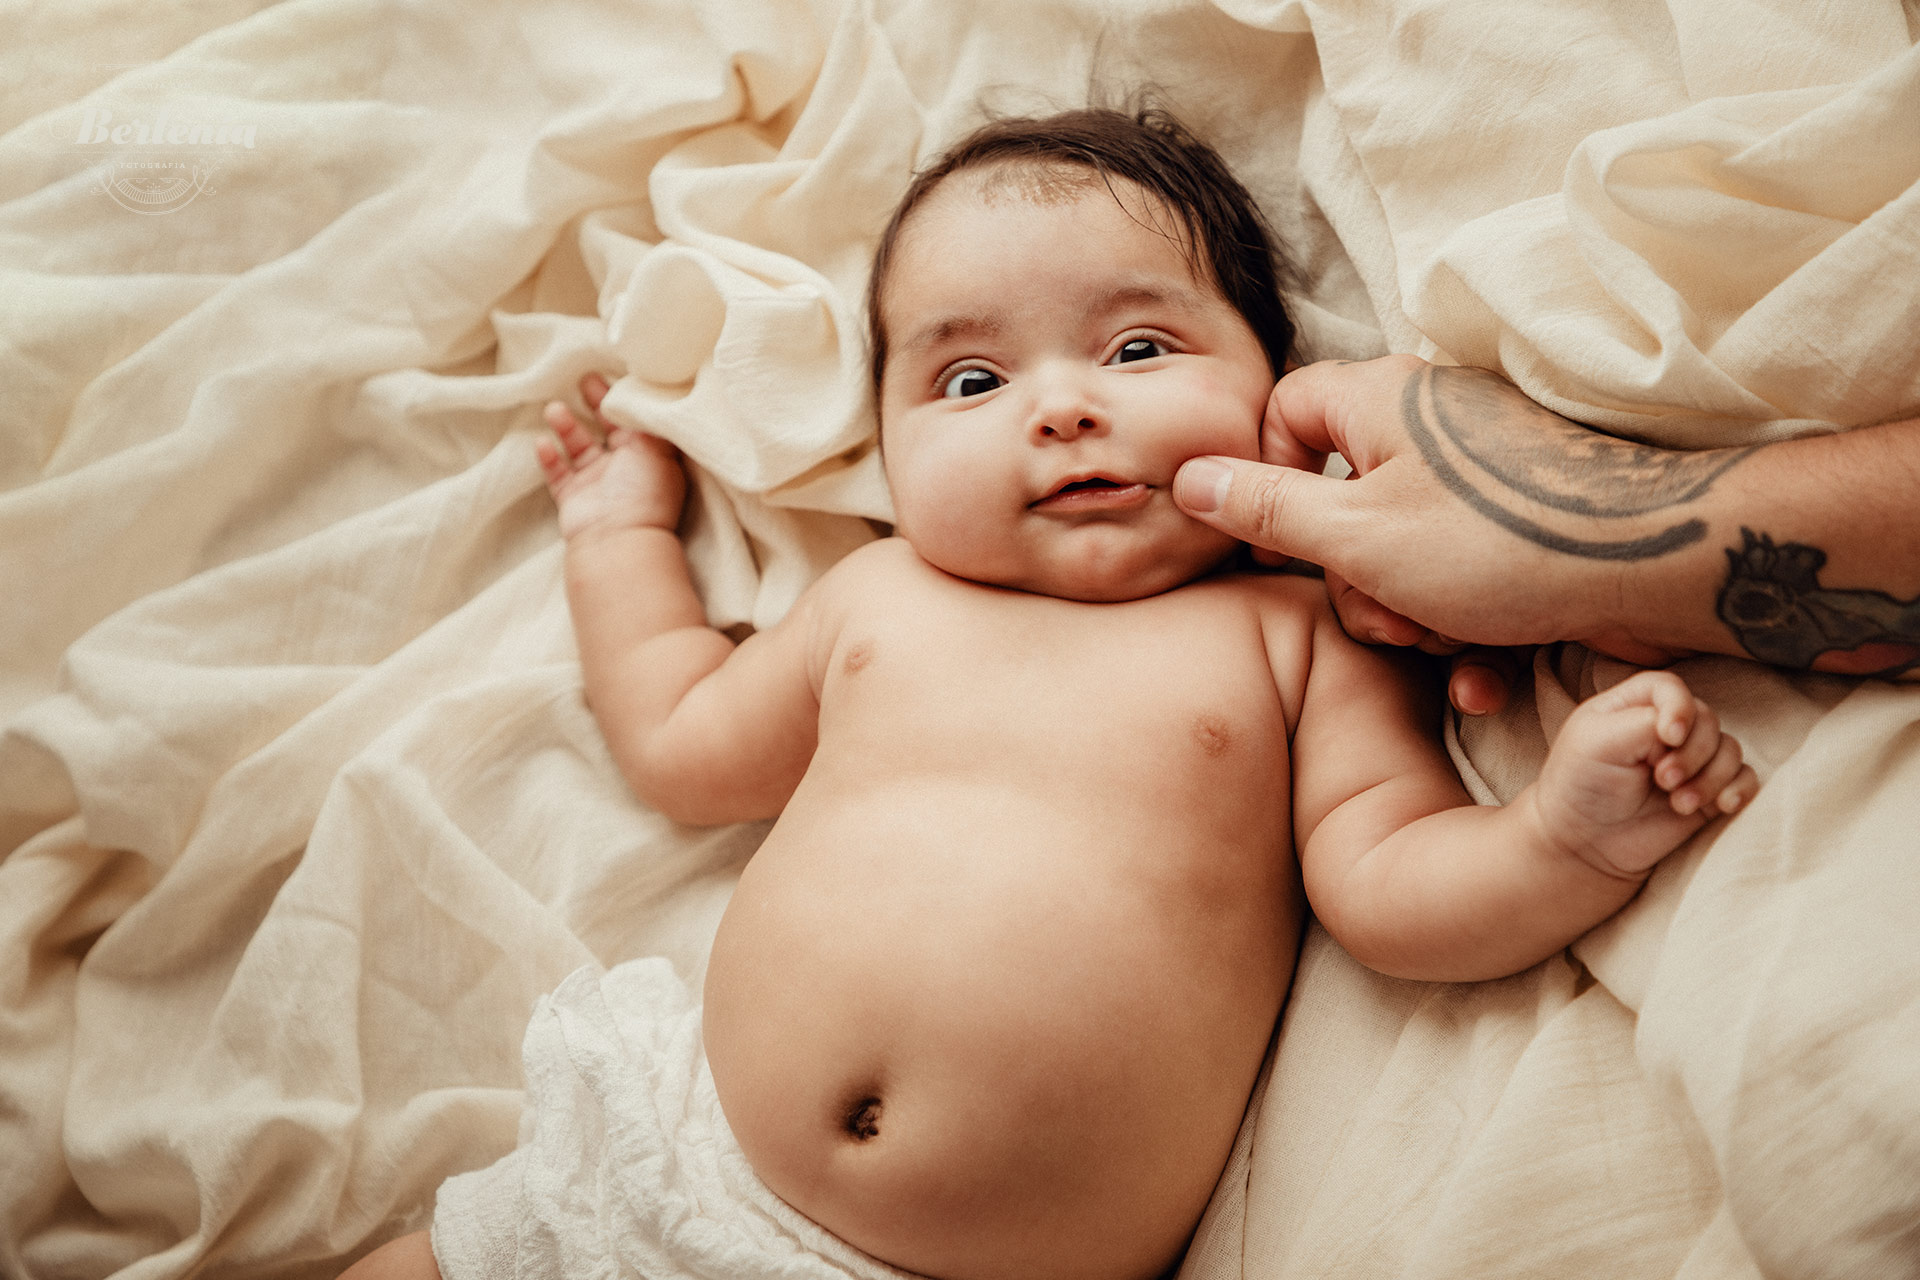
[(626, 1167), (300, 810)]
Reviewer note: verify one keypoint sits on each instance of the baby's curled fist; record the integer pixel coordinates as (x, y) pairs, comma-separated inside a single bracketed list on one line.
[(1637, 769)]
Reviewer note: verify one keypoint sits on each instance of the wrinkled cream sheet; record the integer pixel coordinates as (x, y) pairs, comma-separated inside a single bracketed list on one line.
[(299, 806)]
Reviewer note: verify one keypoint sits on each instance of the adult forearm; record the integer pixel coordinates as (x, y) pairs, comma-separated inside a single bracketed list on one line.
[(1801, 553), (1818, 563)]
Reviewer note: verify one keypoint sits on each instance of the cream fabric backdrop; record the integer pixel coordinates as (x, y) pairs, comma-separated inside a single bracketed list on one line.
[(299, 805)]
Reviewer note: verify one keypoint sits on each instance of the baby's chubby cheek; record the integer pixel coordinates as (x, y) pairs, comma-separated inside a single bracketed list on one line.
[(950, 537)]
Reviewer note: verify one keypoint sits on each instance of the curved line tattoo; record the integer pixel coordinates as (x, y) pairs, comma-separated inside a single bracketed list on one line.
[(1573, 469), (1667, 540), (1776, 608)]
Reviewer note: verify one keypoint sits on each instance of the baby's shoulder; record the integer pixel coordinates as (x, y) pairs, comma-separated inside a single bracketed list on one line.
[(1279, 597), (1285, 614), (872, 569), (874, 579), (843, 600)]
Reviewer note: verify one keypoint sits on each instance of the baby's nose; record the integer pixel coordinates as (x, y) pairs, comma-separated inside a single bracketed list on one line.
[(1063, 410), (1066, 427)]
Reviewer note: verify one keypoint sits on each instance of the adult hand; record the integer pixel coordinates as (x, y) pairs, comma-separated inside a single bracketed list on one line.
[(1474, 516)]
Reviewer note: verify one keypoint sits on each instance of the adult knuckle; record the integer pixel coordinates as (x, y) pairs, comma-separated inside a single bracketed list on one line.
[(1267, 500)]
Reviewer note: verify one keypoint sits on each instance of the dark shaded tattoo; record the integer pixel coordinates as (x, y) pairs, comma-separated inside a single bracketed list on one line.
[(1776, 608), (1571, 468), (1556, 464)]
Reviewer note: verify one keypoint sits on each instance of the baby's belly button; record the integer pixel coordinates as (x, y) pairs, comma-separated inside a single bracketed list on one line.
[(862, 1119)]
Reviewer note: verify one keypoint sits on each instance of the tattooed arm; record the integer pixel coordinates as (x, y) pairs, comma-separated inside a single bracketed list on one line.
[(1479, 516)]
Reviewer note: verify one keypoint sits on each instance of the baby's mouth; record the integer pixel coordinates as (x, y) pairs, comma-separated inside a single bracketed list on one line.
[(1092, 493)]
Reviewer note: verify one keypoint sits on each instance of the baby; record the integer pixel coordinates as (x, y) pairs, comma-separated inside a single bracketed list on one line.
[(990, 999)]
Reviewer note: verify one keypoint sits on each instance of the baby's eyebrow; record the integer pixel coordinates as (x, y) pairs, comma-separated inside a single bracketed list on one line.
[(1123, 296), (991, 325), (947, 328)]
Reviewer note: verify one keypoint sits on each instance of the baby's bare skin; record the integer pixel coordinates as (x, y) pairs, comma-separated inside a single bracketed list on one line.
[(995, 1008)]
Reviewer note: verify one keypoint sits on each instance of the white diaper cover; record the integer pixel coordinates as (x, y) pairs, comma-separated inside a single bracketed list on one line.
[(626, 1169)]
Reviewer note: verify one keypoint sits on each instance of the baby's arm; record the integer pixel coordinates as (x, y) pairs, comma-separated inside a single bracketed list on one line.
[(704, 731), (1417, 881)]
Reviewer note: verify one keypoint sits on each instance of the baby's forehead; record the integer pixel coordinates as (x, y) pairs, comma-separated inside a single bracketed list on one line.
[(983, 190), (1042, 182)]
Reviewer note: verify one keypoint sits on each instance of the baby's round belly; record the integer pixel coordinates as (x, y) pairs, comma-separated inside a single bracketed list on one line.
[(977, 1036)]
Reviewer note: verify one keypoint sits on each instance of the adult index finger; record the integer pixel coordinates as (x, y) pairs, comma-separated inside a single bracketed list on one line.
[(1347, 407), (1293, 512)]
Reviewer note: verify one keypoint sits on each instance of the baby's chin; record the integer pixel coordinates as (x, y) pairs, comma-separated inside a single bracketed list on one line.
[(1101, 582), (1111, 588)]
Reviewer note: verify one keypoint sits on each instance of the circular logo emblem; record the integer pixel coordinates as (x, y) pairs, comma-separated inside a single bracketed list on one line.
[(153, 186)]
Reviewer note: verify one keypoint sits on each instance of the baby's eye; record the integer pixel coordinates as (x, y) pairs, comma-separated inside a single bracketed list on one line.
[(1138, 349), (970, 382)]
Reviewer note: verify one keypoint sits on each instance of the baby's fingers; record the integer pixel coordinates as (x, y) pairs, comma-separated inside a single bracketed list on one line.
[(1678, 716), (552, 464), (1694, 749), (1661, 692), (593, 389), (1723, 784), (574, 438), (1734, 796)]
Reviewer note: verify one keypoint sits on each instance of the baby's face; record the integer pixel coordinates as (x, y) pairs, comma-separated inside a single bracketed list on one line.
[(1051, 363)]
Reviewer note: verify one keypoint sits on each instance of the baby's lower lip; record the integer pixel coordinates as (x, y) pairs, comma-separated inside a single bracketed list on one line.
[(1113, 498)]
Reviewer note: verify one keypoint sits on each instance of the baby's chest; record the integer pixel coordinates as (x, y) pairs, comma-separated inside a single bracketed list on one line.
[(1127, 690)]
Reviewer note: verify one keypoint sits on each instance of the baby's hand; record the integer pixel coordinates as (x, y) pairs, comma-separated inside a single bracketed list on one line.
[(1635, 771), (632, 480)]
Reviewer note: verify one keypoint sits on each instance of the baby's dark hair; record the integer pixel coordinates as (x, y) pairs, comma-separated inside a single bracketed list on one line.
[(1225, 230)]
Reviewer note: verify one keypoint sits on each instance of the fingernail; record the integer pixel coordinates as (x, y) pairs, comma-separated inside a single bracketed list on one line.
[(1201, 484)]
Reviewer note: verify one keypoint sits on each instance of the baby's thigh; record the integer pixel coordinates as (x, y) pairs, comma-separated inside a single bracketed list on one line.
[(408, 1258)]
